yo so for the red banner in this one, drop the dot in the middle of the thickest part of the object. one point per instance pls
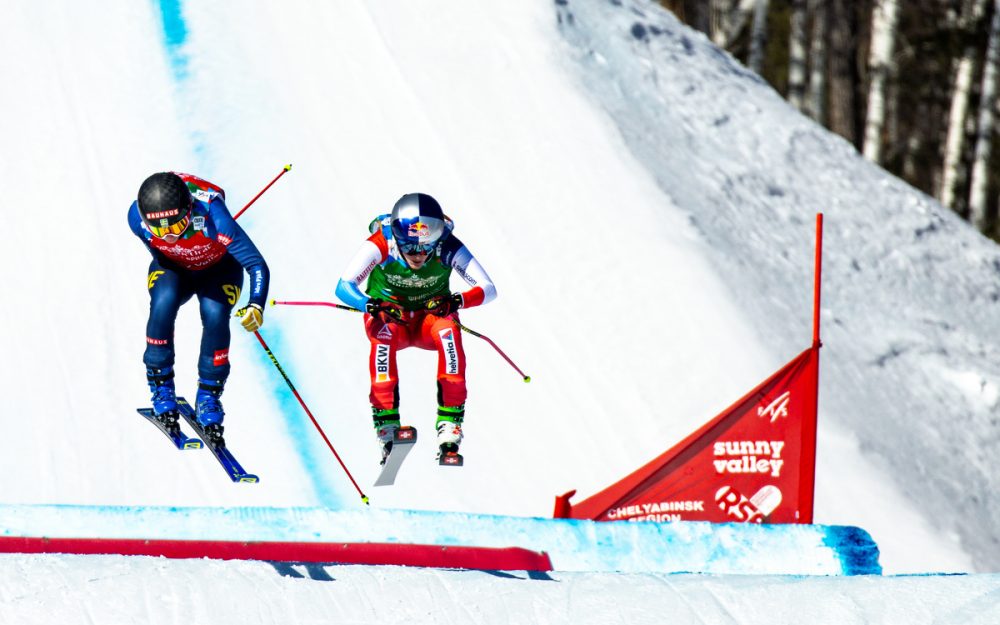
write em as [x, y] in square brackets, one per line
[753, 463]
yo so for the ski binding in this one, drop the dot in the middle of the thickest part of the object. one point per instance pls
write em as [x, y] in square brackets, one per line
[221, 452]
[175, 434]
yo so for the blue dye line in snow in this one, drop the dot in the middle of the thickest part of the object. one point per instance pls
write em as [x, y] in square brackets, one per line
[175, 38]
[855, 548]
[175, 34]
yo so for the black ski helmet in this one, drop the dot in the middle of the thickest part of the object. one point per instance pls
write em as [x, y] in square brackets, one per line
[418, 223]
[165, 203]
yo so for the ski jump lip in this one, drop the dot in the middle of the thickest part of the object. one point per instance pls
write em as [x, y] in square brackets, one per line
[570, 544]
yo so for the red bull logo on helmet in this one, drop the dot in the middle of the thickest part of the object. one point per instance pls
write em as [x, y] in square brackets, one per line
[419, 230]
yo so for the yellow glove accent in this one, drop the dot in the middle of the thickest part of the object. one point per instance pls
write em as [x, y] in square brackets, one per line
[251, 317]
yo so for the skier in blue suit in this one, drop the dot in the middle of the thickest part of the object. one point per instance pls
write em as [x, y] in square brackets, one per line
[198, 249]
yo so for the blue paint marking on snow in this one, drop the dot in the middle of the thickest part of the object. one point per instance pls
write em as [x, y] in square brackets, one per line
[175, 35]
[320, 466]
[858, 552]
[175, 38]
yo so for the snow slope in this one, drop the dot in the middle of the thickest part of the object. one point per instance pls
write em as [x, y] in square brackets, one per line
[112, 590]
[643, 204]
[912, 364]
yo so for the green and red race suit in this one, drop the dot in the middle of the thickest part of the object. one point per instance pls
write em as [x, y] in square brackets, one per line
[389, 278]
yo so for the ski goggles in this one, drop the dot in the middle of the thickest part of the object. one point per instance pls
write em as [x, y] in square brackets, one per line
[417, 248]
[171, 233]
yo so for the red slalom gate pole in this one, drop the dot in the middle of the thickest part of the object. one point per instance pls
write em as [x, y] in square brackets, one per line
[274, 360]
[817, 278]
[284, 171]
[526, 378]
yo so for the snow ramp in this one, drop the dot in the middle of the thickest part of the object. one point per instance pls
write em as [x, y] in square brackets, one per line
[440, 539]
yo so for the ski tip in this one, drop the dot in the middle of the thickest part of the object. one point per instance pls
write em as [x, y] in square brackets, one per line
[246, 478]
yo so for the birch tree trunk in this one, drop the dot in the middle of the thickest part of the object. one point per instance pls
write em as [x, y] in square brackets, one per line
[885, 19]
[758, 36]
[955, 142]
[797, 55]
[816, 96]
[984, 128]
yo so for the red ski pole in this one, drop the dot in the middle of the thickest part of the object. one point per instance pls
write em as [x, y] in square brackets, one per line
[274, 360]
[526, 378]
[284, 171]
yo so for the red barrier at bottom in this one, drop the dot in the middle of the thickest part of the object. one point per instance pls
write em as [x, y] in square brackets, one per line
[451, 557]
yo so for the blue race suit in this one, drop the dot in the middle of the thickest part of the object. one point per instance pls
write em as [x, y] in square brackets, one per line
[208, 261]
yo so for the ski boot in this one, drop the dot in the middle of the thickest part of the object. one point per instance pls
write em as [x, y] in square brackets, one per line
[209, 410]
[449, 434]
[386, 423]
[161, 384]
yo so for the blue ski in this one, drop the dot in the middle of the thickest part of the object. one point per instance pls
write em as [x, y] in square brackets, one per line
[221, 452]
[176, 435]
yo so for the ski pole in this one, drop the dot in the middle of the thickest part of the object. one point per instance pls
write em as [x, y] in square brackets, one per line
[526, 378]
[284, 170]
[274, 360]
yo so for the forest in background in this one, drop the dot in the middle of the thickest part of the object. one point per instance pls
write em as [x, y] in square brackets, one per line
[912, 85]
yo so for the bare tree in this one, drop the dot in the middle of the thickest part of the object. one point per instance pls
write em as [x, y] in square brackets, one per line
[815, 104]
[701, 17]
[885, 19]
[897, 79]
[972, 11]
[797, 55]
[728, 18]
[984, 127]
[758, 36]
[843, 70]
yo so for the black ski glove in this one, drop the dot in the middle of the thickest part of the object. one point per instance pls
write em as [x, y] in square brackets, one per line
[444, 305]
[384, 311]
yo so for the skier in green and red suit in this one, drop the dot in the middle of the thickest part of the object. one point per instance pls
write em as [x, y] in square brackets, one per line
[407, 262]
